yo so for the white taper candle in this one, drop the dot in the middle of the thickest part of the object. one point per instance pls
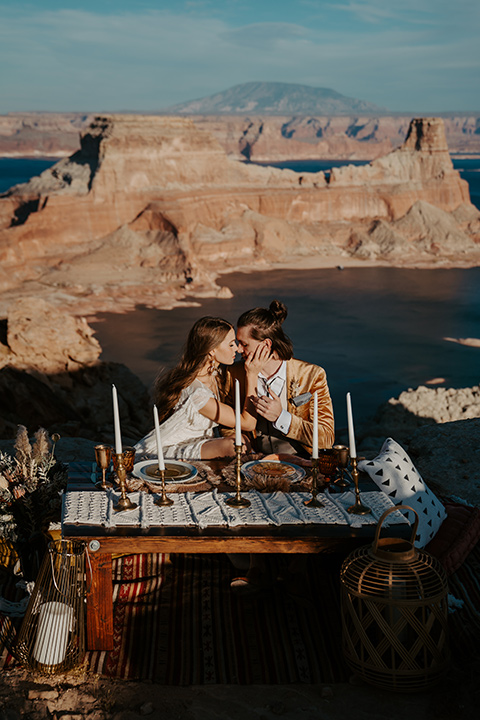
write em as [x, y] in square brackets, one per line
[116, 422]
[315, 426]
[351, 429]
[238, 421]
[161, 461]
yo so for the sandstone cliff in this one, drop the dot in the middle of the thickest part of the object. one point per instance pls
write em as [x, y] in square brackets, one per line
[253, 136]
[152, 207]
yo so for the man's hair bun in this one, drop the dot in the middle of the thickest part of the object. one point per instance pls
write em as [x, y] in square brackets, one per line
[278, 310]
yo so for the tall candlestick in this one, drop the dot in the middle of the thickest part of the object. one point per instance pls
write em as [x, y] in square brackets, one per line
[161, 461]
[315, 426]
[351, 429]
[116, 422]
[238, 422]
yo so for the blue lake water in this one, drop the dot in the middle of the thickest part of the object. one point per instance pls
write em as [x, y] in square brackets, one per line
[377, 331]
[14, 171]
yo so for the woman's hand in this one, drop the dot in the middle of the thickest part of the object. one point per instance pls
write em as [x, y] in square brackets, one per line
[255, 362]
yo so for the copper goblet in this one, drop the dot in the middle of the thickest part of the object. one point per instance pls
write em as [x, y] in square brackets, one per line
[103, 455]
[128, 459]
[327, 464]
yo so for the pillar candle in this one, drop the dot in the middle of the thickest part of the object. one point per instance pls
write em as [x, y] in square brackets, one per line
[315, 426]
[238, 422]
[116, 422]
[161, 462]
[351, 429]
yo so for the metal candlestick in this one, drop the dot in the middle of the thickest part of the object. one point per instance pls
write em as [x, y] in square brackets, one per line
[342, 456]
[163, 500]
[124, 502]
[358, 508]
[238, 500]
[313, 502]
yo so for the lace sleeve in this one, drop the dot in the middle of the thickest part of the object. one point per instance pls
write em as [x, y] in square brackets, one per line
[199, 397]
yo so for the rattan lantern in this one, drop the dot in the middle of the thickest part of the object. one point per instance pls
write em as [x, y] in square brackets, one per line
[52, 635]
[394, 613]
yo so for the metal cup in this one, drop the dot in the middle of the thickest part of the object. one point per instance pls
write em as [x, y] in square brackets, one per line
[128, 455]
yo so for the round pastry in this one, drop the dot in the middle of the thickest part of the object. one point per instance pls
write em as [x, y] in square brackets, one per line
[273, 468]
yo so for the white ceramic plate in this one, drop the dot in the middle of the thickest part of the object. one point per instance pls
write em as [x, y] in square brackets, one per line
[175, 471]
[298, 473]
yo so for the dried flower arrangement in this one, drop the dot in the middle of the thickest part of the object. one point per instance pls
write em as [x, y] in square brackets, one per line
[30, 486]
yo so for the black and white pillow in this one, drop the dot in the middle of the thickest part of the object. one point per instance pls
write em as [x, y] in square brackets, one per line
[395, 474]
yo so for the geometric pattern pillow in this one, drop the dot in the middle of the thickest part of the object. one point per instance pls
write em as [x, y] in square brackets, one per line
[395, 474]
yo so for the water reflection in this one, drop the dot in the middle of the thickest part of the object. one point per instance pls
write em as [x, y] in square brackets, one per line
[376, 331]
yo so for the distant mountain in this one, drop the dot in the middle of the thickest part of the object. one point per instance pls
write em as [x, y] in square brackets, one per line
[275, 98]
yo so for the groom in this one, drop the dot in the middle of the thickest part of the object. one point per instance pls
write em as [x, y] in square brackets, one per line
[284, 401]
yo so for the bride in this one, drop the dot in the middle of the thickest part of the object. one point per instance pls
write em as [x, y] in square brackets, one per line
[189, 397]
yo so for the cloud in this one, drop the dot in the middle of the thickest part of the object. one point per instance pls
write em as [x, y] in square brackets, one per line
[146, 60]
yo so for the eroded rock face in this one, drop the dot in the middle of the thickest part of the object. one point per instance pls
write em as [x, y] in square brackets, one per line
[250, 136]
[150, 203]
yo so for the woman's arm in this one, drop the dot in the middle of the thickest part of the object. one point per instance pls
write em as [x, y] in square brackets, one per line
[224, 414]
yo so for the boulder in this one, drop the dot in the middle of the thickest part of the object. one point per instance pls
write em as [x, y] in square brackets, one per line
[447, 456]
[52, 377]
[45, 338]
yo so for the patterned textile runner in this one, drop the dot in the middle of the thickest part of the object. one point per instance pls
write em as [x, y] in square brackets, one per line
[209, 509]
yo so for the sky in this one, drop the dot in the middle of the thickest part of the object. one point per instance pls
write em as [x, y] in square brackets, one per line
[420, 56]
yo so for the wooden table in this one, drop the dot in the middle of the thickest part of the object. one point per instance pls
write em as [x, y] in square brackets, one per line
[103, 542]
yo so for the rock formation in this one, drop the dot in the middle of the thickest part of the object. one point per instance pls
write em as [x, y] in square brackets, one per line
[439, 428]
[151, 208]
[51, 376]
[258, 137]
[41, 134]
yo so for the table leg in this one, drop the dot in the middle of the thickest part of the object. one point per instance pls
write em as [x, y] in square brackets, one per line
[100, 603]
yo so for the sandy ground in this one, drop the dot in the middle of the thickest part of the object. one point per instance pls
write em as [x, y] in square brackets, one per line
[79, 696]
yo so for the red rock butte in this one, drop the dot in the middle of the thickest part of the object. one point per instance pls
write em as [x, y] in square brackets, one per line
[159, 197]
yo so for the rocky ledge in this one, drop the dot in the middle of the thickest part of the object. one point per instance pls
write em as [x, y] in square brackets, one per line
[51, 376]
[151, 209]
[440, 428]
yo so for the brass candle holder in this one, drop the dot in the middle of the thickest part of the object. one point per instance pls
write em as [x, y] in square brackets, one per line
[358, 508]
[124, 502]
[163, 500]
[343, 456]
[313, 502]
[238, 500]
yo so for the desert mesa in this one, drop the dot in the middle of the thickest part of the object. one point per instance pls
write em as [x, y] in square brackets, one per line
[152, 209]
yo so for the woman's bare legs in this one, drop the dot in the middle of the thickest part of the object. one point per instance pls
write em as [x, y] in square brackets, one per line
[219, 447]
[222, 447]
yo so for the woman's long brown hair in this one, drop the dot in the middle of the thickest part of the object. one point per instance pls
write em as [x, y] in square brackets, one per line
[205, 336]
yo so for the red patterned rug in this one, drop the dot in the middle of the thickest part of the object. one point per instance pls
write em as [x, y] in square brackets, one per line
[177, 622]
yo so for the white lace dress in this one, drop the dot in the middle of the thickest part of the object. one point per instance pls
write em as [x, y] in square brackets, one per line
[185, 431]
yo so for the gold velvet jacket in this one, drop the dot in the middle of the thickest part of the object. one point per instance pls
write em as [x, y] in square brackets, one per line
[302, 377]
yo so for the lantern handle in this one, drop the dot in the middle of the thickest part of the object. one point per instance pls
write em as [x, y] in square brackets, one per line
[384, 516]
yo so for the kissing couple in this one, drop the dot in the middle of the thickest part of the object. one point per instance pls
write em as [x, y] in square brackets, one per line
[195, 399]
